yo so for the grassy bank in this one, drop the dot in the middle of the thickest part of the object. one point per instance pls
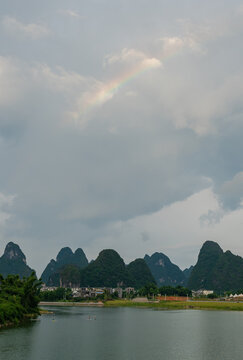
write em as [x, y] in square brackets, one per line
[179, 305]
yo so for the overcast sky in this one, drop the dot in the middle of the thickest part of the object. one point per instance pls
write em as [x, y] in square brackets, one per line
[121, 126]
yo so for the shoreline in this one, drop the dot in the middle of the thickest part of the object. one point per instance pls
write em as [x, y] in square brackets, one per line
[179, 305]
[27, 319]
[163, 305]
[66, 303]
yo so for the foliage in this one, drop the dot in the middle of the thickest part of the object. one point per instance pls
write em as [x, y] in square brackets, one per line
[149, 290]
[178, 291]
[56, 295]
[212, 296]
[18, 297]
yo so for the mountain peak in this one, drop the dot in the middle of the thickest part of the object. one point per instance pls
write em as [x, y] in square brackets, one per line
[51, 274]
[212, 245]
[13, 252]
[13, 261]
[64, 253]
[216, 270]
[79, 252]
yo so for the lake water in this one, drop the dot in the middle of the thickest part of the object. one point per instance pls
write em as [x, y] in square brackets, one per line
[126, 334]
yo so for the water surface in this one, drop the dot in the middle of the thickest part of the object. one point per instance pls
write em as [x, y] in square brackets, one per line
[126, 334]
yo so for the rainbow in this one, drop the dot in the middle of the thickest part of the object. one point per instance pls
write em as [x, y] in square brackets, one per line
[108, 90]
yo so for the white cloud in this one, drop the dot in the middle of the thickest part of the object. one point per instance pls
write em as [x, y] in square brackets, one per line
[125, 56]
[71, 13]
[203, 105]
[6, 201]
[58, 79]
[18, 80]
[131, 57]
[240, 9]
[172, 46]
[177, 230]
[11, 81]
[33, 31]
[131, 93]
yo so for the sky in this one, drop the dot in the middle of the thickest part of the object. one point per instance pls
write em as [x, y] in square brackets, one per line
[121, 126]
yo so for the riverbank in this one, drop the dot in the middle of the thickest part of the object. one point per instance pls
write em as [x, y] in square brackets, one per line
[17, 322]
[69, 303]
[166, 305]
[179, 305]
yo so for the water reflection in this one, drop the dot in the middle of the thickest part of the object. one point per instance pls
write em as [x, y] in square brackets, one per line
[16, 342]
[126, 334]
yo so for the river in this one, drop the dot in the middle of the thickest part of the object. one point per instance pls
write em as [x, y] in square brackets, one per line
[126, 334]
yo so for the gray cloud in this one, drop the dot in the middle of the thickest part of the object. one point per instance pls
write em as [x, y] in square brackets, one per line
[88, 150]
[231, 192]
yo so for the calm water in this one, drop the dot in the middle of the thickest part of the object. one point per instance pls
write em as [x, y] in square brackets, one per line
[126, 334]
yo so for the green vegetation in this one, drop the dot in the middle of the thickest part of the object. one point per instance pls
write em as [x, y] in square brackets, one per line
[179, 305]
[151, 289]
[177, 291]
[18, 298]
[60, 294]
[216, 270]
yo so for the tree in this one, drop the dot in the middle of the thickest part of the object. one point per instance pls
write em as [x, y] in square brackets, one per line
[149, 290]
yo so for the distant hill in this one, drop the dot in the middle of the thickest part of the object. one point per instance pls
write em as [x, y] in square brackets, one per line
[140, 274]
[109, 270]
[164, 271]
[51, 274]
[216, 270]
[187, 273]
[13, 261]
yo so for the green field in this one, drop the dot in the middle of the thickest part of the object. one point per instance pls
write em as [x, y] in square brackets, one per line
[179, 305]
